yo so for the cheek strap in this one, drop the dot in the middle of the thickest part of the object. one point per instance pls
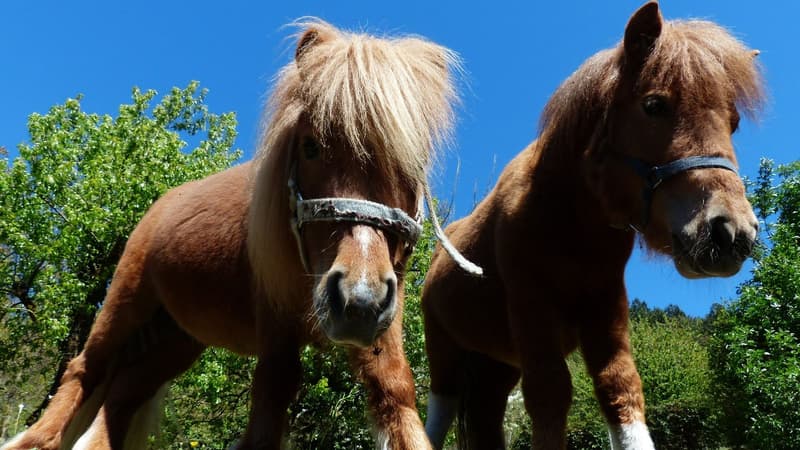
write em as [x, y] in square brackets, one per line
[654, 175]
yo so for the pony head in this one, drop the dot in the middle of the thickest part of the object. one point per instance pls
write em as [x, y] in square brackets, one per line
[352, 117]
[658, 112]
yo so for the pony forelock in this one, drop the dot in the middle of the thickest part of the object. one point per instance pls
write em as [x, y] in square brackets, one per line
[705, 60]
[388, 100]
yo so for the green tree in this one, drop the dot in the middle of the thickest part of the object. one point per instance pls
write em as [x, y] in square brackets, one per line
[755, 346]
[69, 201]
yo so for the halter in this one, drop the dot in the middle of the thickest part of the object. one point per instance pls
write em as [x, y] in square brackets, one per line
[654, 175]
[353, 210]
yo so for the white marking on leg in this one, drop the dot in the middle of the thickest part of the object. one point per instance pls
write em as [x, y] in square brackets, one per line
[86, 441]
[145, 420]
[85, 416]
[13, 442]
[442, 411]
[382, 440]
[630, 436]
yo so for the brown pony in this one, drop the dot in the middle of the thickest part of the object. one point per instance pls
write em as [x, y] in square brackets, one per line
[306, 242]
[637, 139]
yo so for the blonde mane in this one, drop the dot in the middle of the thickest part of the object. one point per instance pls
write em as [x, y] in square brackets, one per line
[702, 58]
[390, 100]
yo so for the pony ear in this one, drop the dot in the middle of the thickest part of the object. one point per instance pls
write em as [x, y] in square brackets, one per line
[643, 28]
[308, 39]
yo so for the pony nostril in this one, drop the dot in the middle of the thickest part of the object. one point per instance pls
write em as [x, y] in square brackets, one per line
[388, 300]
[723, 233]
[333, 288]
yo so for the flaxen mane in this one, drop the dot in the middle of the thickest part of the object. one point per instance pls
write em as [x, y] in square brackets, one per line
[702, 58]
[390, 101]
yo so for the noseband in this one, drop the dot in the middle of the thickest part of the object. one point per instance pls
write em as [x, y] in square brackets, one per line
[352, 210]
[654, 175]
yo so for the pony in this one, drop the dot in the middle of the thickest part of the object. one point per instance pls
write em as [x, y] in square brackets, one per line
[306, 243]
[636, 141]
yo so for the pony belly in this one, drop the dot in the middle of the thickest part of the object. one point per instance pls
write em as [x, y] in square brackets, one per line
[216, 329]
[214, 312]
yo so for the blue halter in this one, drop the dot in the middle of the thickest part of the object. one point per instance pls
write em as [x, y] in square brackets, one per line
[654, 175]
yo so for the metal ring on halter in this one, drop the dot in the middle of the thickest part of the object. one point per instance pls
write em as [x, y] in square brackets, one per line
[654, 175]
[352, 210]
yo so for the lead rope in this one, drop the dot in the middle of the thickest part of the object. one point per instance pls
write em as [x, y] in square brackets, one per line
[468, 266]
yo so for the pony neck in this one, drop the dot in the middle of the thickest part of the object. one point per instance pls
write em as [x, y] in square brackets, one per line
[563, 196]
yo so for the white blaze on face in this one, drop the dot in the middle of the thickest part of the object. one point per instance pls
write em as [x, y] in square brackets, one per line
[630, 436]
[362, 289]
[363, 235]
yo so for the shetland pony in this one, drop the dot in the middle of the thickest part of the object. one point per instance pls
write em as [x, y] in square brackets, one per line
[637, 139]
[307, 241]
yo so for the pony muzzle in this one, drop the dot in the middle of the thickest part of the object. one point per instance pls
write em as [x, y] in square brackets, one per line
[357, 311]
[717, 248]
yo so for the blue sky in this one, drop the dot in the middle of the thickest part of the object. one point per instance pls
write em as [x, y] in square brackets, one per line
[515, 55]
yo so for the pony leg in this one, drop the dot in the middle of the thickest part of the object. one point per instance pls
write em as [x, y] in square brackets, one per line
[483, 404]
[546, 382]
[276, 382]
[547, 389]
[606, 349]
[131, 407]
[124, 310]
[385, 372]
[446, 361]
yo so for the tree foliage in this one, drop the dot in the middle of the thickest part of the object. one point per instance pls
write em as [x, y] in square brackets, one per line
[756, 338]
[69, 201]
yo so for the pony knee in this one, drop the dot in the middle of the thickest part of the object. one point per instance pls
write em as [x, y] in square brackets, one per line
[84, 371]
[548, 395]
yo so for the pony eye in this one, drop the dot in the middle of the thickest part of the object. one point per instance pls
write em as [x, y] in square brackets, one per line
[734, 121]
[655, 106]
[310, 148]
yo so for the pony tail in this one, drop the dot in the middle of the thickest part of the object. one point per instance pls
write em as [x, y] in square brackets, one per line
[462, 427]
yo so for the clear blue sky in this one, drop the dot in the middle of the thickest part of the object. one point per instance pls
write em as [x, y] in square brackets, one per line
[515, 54]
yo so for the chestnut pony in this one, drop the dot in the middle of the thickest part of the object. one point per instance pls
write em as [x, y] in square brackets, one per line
[307, 241]
[638, 138]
